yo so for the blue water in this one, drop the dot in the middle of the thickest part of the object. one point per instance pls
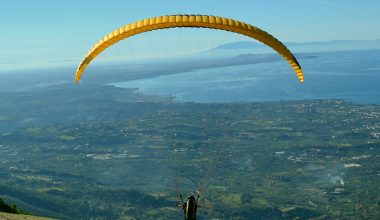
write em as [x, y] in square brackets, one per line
[353, 76]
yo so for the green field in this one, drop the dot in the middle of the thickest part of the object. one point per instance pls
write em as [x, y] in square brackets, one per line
[311, 159]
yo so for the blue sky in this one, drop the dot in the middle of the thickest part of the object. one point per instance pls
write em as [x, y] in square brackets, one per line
[48, 32]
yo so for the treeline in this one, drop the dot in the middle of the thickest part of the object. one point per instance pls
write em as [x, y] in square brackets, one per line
[8, 208]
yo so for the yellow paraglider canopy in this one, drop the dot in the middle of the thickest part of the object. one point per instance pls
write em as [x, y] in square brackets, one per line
[198, 21]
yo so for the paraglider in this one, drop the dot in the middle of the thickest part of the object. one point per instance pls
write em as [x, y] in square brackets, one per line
[193, 21]
[189, 207]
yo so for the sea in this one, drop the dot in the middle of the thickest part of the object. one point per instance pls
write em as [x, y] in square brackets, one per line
[350, 75]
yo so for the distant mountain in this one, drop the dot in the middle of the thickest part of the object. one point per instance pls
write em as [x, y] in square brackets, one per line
[260, 58]
[314, 46]
[238, 45]
[333, 42]
[252, 44]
